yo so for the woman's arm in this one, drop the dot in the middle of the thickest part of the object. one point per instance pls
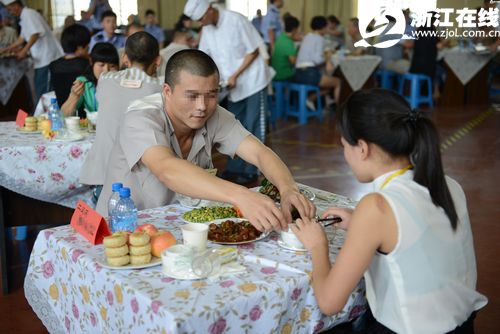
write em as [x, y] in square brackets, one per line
[71, 103]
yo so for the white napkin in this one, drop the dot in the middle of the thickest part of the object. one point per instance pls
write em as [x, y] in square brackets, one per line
[232, 268]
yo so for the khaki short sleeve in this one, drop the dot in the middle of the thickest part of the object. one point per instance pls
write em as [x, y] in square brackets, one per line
[228, 134]
[140, 130]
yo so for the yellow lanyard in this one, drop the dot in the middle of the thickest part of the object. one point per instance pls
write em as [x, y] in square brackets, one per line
[396, 174]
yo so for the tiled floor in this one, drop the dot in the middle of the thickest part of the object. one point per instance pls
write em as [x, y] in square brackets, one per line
[313, 155]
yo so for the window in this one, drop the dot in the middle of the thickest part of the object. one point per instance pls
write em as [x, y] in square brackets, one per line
[62, 8]
[247, 7]
[416, 6]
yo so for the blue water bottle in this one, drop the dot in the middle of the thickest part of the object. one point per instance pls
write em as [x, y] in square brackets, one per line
[471, 44]
[461, 45]
[55, 115]
[125, 212]
[113, 200]
[342, 51]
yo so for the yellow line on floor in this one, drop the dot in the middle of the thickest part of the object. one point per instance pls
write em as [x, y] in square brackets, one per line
[464, 130]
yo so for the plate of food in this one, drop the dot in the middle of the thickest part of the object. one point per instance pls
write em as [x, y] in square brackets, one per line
[235, 231]
[24, 131]
[270, 190]
[69, 138]
[208, 214]
[103, 262]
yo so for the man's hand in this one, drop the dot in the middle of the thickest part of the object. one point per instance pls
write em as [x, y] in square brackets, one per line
[343, 213]
[292, 198]
[23, 54]
[5, 50]
[262, 212]
[78, 87]
[311, 234]
[231, 82]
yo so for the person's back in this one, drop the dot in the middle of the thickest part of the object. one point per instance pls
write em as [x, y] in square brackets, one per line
[311, 51]
[285, 54]
[424, 55]
[410, 289]
[63, 71]
[180, 41]
[115, 91]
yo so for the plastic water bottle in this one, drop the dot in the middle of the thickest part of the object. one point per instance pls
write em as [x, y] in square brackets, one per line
[55, 115]
[471, 44]
[125, 212]
[342, 51]
[113, 200]
[461, 45]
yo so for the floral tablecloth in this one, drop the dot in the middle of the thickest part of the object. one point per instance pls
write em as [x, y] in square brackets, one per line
[11, 71]
[72, 293]
[356, 69]
[43, 169]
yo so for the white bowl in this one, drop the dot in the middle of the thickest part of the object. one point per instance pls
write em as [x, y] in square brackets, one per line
[74, 120]
[92, 116]
[290, 238]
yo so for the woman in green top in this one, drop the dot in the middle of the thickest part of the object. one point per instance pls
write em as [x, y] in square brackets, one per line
[103, 58]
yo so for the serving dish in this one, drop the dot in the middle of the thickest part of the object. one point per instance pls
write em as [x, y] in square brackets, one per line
[103, 262]
[238, 220]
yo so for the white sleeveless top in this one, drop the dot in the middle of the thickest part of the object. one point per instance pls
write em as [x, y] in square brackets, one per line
[427, 284]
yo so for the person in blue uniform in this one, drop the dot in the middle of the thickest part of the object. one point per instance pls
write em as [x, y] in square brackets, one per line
[154, 29]
[108, 35]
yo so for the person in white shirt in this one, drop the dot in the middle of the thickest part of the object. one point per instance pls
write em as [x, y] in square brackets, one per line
[40, 42]
[411, 237]
[233, 42]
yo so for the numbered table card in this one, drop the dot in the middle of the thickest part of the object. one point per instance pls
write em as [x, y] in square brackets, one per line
[21, 117]
[89, 223]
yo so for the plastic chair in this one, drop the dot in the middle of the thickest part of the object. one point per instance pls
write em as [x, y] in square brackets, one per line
[490, 80]
[279, 88]
[415, 98]
[386, 79]
[299, 108]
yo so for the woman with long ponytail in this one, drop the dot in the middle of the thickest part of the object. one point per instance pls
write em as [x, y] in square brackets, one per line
[410, 238]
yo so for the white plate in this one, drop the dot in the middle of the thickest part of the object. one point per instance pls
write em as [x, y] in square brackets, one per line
[219, 221]
[191, 275]
[103, 262]
[20, 130]
[70, 138]
[282, 244]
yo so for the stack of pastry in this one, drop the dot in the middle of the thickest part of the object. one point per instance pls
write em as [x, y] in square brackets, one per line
[30, 124]
[39, 120]
[140, 248]
[116, 249]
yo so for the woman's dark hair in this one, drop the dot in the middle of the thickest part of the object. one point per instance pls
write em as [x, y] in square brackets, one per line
[74, 36]
[333, 19]
[180, 24]
[385, 118]
[318, 22]
[104, 53]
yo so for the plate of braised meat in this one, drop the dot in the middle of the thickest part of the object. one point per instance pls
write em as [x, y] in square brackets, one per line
[234, 231]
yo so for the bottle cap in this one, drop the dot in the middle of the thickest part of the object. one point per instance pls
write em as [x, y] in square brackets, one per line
[117, 186]
[124, 192]
[53, 100]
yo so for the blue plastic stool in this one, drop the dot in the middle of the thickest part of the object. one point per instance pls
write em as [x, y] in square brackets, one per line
[493, 91]
[415, 98]
[22, 232]
[386, 79]
[272, 108]
[279, 88]
[299, 108]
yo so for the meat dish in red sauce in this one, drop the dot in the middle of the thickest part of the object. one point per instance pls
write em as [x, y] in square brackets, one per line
[230, 231]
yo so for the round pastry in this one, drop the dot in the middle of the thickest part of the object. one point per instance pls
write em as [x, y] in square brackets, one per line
[139, 238]
[30, 120]
[40, 118]
[116, 251]
[28, 128]
[115, 241]
[119, 261]
[140, 259]
[140, 250]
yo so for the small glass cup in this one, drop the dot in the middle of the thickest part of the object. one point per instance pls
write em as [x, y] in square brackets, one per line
[206, 263]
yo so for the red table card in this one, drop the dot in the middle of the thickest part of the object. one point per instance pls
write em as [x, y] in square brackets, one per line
[89, 223]
[21, 116]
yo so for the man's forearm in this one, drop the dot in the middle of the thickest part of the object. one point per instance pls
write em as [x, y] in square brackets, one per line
[275, 170]
[18, 42]
[246, 62]
[31, 41]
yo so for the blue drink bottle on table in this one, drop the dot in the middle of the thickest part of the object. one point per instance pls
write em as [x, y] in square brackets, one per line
[113, 200]
[55, 115]
[125, 216]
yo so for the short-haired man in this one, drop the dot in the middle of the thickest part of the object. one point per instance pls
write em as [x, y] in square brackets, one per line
[107, 35]
[271, 24]
[40, 42]
[232, 41]
[285, 54]
[115, 91]
[154, 29]
[164, 144]
[335, 30]
[355, 36]
[130, 29]
[180, 41]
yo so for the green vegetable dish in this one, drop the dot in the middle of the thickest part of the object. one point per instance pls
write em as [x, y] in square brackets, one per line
[206, 214]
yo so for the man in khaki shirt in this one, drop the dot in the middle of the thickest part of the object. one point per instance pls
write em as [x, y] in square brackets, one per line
[164, 144]
[115, 91]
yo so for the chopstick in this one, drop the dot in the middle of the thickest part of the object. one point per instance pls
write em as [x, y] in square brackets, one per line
[333, 221]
